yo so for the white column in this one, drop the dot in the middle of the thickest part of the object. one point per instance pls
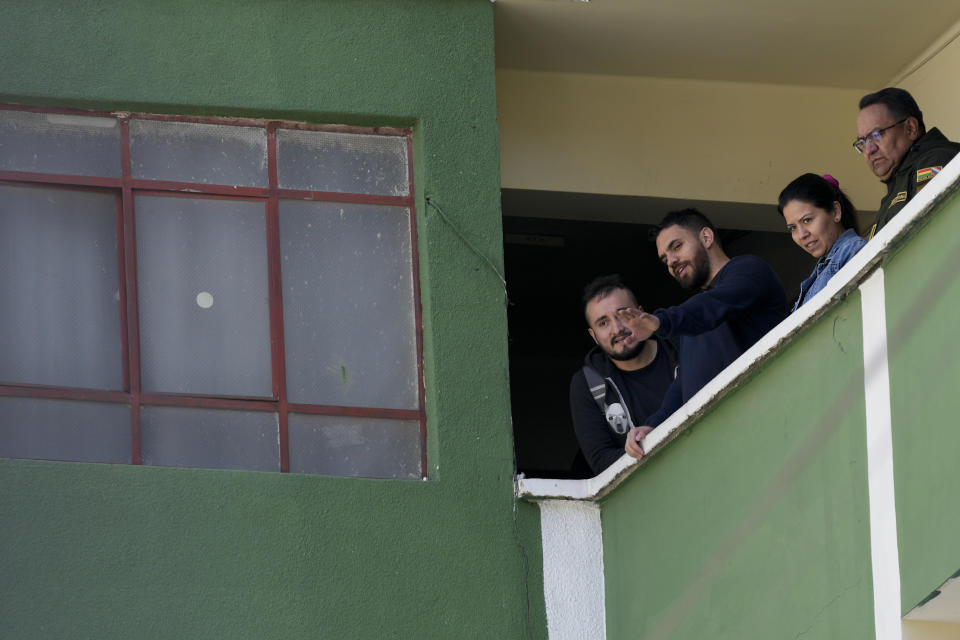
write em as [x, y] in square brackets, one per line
[573, 570]
[884, 552]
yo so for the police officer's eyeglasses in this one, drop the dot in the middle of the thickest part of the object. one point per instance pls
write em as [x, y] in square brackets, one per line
[876, 135]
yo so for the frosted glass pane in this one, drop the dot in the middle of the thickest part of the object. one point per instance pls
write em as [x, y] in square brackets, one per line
[62, 144]
[64, 430]
[60, 302]
[342, 162]
[204, 312]
[193, 152]
[348, 304]
[209, 438]
[367, 447]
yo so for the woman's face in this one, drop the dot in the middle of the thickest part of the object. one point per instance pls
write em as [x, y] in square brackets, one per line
[813, 229]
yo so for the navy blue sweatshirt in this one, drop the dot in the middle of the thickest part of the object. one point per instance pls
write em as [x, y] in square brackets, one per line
[712, 328]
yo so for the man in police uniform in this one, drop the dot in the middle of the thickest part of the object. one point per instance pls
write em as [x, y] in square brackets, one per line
[898, 148]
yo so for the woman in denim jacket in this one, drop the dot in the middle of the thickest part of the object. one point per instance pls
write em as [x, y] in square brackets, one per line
[822, 221]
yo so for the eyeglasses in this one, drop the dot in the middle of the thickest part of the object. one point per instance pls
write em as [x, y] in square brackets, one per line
[876, 136]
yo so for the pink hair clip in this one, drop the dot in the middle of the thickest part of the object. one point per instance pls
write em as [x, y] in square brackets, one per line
[833, 181]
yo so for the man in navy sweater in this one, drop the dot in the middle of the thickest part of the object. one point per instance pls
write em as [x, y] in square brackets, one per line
[740, 300]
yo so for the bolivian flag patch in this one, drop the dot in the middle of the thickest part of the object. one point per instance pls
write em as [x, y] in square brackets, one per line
[925, 174]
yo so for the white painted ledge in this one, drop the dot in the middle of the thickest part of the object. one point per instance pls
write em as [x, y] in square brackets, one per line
[847, 279]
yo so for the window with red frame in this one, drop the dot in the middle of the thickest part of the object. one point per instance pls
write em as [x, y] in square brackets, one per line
[210, 293]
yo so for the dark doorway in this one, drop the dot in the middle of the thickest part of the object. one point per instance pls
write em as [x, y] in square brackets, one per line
[548, 261]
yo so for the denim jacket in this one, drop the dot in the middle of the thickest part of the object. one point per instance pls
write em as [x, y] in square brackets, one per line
[827, 266]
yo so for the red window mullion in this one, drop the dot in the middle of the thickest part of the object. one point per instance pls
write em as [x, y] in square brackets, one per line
[349, 198]
[132, 309]
[62, 393]
[277, 350]
[197, 193]
[194, 188]
[207, 402]
[122, 289]
[22, 177]
[356, 412]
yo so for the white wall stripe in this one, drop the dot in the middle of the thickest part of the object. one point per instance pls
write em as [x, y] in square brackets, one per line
[884, 550]
[573, 587]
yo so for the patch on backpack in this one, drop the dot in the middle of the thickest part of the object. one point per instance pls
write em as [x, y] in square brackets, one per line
[900, 197]
[925, 174]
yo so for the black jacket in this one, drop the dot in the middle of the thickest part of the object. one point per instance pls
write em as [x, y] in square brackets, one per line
[642, 390]
[931, 151]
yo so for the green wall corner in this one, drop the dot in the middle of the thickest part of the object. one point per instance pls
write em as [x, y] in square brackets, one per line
[753, 523]
[923, 303]
[120, 551]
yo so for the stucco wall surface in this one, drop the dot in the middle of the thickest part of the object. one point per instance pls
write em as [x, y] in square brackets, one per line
[923, 303]
[572, 569]
[675, 138]
[754, 523]
[929, 80]
[110, 552]
[913, 630]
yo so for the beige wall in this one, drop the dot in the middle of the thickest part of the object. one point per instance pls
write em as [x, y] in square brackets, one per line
[703, 140]
[934, 83]
[917, 630]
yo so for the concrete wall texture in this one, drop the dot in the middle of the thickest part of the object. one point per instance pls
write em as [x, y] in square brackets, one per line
[99, 551]
[757, 522]
[923, 300]
[923, 78]
[674, 138]
[695, 139]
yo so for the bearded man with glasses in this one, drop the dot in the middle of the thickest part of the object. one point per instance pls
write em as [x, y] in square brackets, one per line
[898, 148]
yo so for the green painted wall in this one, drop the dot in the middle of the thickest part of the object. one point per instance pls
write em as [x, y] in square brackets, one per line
[923, 303]
[755, 522]
[109, 552]
[531, 546]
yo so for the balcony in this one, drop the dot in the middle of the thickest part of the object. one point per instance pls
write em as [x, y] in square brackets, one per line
[810, 490]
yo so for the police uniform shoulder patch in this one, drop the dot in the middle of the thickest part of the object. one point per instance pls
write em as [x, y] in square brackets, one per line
[925, 174]
[900, 197]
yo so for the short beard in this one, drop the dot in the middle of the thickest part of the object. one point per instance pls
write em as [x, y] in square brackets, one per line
[701, 271]
[630, 354]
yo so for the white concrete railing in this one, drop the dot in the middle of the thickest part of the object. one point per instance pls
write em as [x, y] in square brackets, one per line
[850, 277]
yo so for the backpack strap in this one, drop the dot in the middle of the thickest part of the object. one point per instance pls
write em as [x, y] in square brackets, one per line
[597, 386]
[616, 414]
